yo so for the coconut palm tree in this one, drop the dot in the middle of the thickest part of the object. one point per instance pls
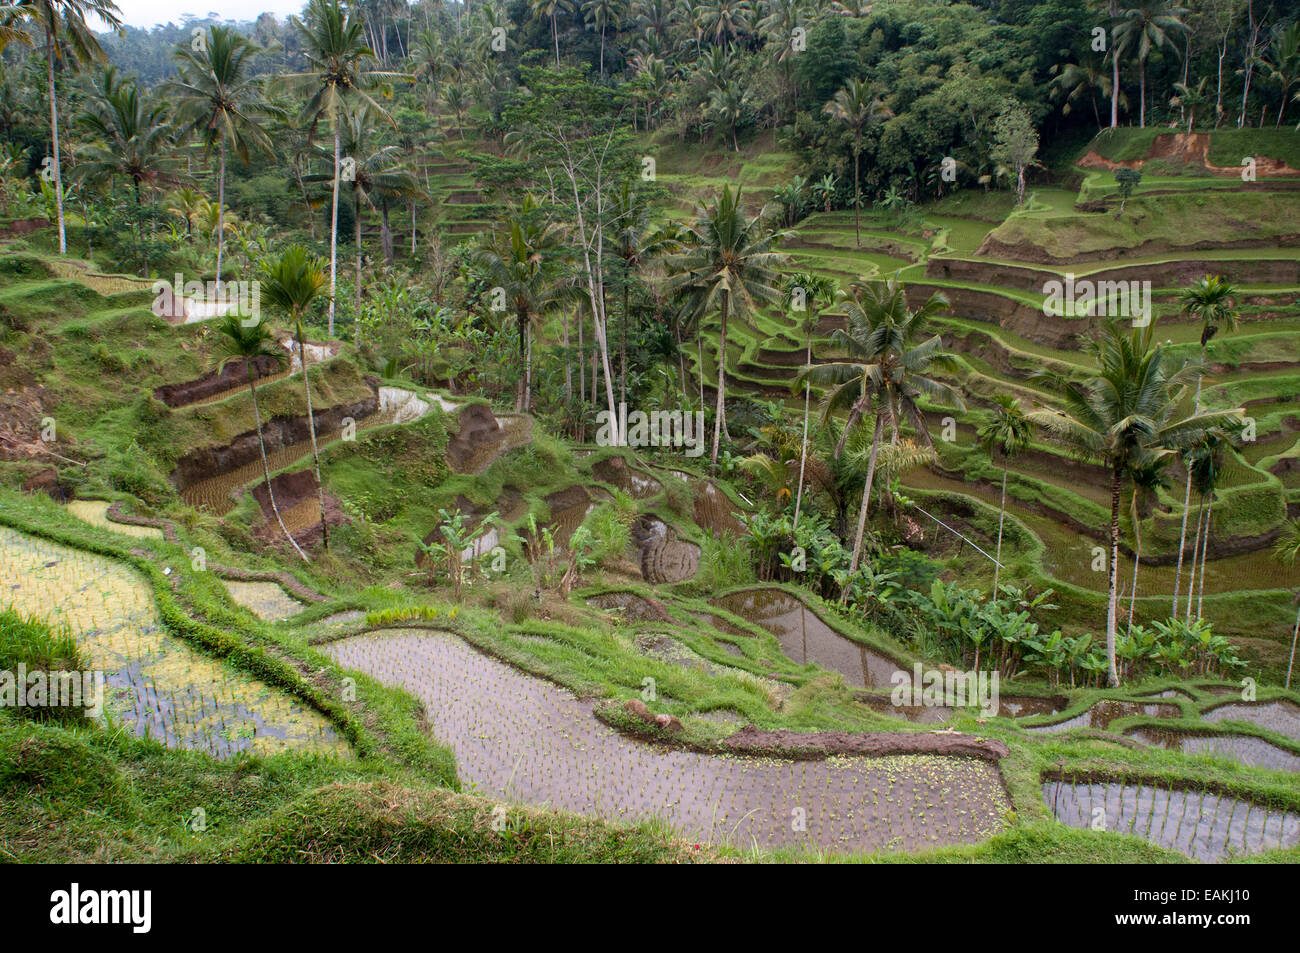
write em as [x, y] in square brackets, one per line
[1147, 477]
[888, 360]
[1124, 416]
[637, 242]
[856, 108]
[292, 283]
[1150, 24]
[1286, 551]
[602, 14]
[1212, 300]
[1205, 464]
[1282, 63]
[239, 340]
[811, 293]
[337, 75]
[132, 140]
[376, 171]
[523, 262]
[1008, 433]
[551, 10]
[217, 100]
[1080, 80]
[69, 39]
[729, 262]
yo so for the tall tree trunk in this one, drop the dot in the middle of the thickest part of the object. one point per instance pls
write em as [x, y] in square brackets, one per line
[857, 192]
[568, 360]
[1295, 634]
[311, 428]
[266, 466]
[1112, 613]
[356, 231]
[622, 348]
[1187, 505]
[1137, 559]
[1002, 515]
[54, 141]
[1196, 549]
[720, 408]
[521, 395]
[1205, 549]
[334, 229]
[1142, 93]
[386, 234]
[803, 446]
[555, 36]
[1113, 10]
[866, 500]
[221, 207]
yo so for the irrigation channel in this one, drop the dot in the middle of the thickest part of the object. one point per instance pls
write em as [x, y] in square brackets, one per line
[155, 684]
[524, 739]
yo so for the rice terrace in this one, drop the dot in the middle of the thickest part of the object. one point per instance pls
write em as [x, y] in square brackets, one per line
[650, 431]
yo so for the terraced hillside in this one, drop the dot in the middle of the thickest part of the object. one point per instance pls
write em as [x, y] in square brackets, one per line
[994, 263]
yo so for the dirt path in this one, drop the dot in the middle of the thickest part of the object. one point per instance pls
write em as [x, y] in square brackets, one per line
[523, 738]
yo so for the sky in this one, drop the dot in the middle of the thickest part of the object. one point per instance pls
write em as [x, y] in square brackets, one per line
[148, 13]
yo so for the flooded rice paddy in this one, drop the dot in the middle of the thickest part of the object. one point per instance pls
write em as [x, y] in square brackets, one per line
[1280, 716]
[156, 685]
[1244, 749]
[95, 512]
[1204, 826]
[1100, 716]
[524, 739]
[264, 599]
[805, 638]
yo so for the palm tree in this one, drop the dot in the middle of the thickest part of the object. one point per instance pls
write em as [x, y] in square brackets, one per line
[523, 263]
[219, 101]
[1078, 80]
[337, 74]
[1212, 300]
[855, 107]
[1149, 25]
[1287, 550]
[132, 140]
[376, 171]
[1123, 417]
[247, 342]
[729, 262]
[1189, 99]
[551, 9]
[601, 14]
[1283, 65]
[1205, 463]
[818, 292]
[1147, 477]
[292, 283]
[723, 22]
[1008, 432]
[67, 38]
[887, 367]
[637, 243]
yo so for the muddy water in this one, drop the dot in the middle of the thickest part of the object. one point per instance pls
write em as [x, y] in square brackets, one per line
[1242, 748]
[806, 638]
[526, 740]
[1205, 827]
[156, 685]
[569, 507]
[630, 605]
[1281, 716]
[1100, 716]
